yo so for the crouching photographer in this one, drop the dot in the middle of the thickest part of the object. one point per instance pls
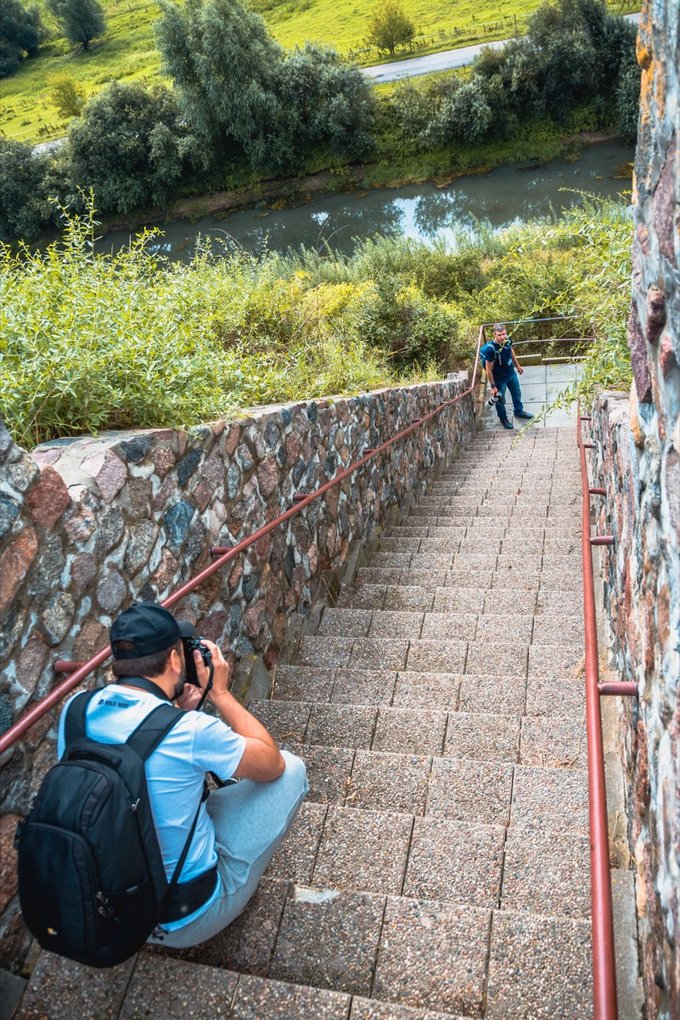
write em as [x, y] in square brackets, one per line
[220, 845]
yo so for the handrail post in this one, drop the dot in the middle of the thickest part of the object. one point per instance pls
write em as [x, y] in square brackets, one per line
[602, 924]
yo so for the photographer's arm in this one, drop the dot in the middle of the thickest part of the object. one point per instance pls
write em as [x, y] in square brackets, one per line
[489, 376]
[262, 759]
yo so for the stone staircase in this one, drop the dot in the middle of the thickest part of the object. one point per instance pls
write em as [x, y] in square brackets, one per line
[440, 865]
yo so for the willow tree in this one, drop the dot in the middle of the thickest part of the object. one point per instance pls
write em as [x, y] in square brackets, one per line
[225, 67]
[81, 21]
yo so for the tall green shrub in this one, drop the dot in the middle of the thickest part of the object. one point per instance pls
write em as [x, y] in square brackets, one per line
[24, 206]
[80, 21]
[21, 33]
[129, 146]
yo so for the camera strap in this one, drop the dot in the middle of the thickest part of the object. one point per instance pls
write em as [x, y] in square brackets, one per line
[145, 685]
[208, 686]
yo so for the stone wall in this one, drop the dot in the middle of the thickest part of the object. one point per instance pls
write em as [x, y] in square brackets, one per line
[87, 526]
[638, 460]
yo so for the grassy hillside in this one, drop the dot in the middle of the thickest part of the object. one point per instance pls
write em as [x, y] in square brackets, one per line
[128, 52]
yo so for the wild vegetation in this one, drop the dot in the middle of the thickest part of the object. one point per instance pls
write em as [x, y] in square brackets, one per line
[242, 108]
[91, 342]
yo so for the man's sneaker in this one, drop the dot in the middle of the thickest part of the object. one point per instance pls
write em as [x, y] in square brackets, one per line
[507, 424]
[523, 414]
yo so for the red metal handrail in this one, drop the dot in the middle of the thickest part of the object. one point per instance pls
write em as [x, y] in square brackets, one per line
[300, 502]
[602, 924]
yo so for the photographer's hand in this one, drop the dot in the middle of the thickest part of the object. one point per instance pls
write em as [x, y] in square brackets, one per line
[262, 759]
[222, 669]
[189, 699]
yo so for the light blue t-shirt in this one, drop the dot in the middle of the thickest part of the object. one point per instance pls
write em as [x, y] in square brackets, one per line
[197, 744]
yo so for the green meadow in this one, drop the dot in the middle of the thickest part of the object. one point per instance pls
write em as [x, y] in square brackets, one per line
[128, 51]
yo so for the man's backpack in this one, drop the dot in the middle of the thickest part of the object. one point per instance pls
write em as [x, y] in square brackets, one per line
[92, 885]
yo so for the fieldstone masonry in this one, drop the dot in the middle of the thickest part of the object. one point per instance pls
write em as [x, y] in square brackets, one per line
[638, 460]
[87, 526]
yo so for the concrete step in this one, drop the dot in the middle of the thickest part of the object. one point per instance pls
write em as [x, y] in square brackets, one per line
[401, 623]
[499, 695]
[437, 762]
[554, 742]
[444, 654]
[159, 985]
[519, 868]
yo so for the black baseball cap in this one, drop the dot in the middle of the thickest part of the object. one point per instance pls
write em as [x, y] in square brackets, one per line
[146, 628]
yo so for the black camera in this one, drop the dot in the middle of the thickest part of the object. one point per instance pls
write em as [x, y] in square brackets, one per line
[493, 400]
[191, 644]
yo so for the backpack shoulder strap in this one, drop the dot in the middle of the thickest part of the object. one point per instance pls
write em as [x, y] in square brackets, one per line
[153, 729]
[74, 723]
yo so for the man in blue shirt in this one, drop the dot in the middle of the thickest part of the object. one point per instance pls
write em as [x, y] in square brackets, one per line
[501, 367]
[240, 825]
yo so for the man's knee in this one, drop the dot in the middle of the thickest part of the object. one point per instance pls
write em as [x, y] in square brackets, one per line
[295, 775]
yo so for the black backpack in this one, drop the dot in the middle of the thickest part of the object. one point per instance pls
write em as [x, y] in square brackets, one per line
[92, 885]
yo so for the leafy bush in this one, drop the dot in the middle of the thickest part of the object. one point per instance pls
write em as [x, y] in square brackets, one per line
[67, 95]
[93, 342]
[224, 66]
[628, 102]
[574, 56]
[389, 26]
[327, 103]
[80, 21]
[129, 147]
[21, 33]
[410, 327]
[24, 206]
[244, 95]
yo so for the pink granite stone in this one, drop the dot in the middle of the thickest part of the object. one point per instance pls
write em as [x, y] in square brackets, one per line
[656, 313]
[14, 564]
[8, 869]
[252, 618]
[164, 494]
[665, 209]
[108, 471]
[163, 458]
[667, 356]
[31, 663]
[83, 572]
[638, 356]
[82, 519]
[164, 575]
[213, 471]
[231, 439]
[48, 499]
[268, 476]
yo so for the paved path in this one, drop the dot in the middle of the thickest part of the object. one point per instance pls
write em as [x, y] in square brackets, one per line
[445, 60]
[440, 866]
[541, 384]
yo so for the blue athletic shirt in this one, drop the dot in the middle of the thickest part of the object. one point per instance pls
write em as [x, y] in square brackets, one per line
[197, 744]
[501, 358]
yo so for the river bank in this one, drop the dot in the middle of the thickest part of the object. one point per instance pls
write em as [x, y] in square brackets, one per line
[426, 211]
[535, 148]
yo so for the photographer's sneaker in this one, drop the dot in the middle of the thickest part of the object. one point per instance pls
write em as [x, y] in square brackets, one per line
[508, 424]
[523, 414]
